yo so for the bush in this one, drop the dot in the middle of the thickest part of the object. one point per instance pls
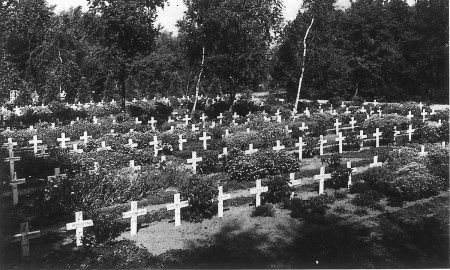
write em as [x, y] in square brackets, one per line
[378, 178]
[265, 210]
[369, 198]
[340, 195]
[438, 163]
[201, 192]
[360, 211]
[425, 133]
[359, 187]
[209, 163]
[275, 163]
[242, 168]
[313, 206]
[279, 190]
[339, 173]
[107, 226]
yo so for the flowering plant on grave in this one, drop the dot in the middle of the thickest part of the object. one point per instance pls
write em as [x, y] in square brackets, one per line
[277, 162]
[309, 149]
[268, 136]
[242, 168]
[386, 122]
[424, 133]
[279, 189]
[241, 140]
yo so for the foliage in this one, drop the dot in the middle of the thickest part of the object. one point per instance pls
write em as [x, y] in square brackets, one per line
[277, 162]
[265, 210]
[339, 173]
[312, 206]
[279, 190]
[369, 198]
[201, 193]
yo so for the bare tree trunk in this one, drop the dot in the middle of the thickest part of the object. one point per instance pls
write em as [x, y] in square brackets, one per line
[356, 90]
[303, 67]
[197, 87]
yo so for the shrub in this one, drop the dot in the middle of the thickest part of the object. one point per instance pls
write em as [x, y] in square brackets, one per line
[378, 178]
[279, 190]
[243, 168]
[360, 211]
[340, 195]
[313, 206]
[438, 163]
[106, 225]
[209, 163]
[369, 198]
[443, 131]
[275, 163]
[340, 209]
[201, 192]
[309, 149]
[359, 187]
[425, 133]
[339, 173]
[352, 141]
[265, 210]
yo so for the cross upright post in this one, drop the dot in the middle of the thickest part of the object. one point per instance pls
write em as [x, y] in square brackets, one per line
[152, 122]
[337, 124]
[352, 123]
[220, 198]
[322, 176]
[250, 150]
[155, 145]
[300, 145]
[375, 163]
[257, 191]
[194, 161]
[63, 140]
[78, 225]
[349, 166]
[410, 131]
[322, 142]
[361, 136]
[133, 214]
[177, 205]
[278, 147]
[180, 142]
[24, 237]
[186, 120]
[85, 138]
[14, 184]
[340, 139]
[11, 159]
[204, 138]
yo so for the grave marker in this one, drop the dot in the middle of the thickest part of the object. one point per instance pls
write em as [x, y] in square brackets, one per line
[322, 142]
[131, 144]
[204, 138]
[303, 127]
[194, 128]
[396, 133]
[377, 135]
[57, 173]
[78, 225]
[14, 184]
[11, 159]
[177, 205]
[375, 163]
[152, 123]
[349, 166]
[10, 144]
[35, 142]
[155, 145]
[424, 113]
[300, 145]
[257, 191]
[352, 123]
[85, 138]
[137, 121]
[134, 167]
[186, 120]
[340, 139]
[103, 147]
[250, 150]
[180, 142]
[410, 131]
[409, 116]
[361, 136]
[24, 237]
[278, 147]
[422, 151]
[224, 153]
[194, 161]
[75, 149]
[322, 176]
[222, 197]
[220, 117]
[293, 182]
[63, 140]
[133, 214]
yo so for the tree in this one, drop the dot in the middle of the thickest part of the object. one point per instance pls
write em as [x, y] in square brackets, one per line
[236, 35]
[123, 31]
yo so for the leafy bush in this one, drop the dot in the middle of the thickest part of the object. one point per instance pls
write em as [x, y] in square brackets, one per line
[243, 168]
[378, 178]
[309, 149]
[369, 198]
[340, 195]
[339, 173]
[425, 133]
[359, 187]
[106, 225]
[279, 190]
[352, 141]
[209, 163]
[361, 211]
[275, 163]
[201, 193]
[265, 210]
[438, 163]
[313, 206]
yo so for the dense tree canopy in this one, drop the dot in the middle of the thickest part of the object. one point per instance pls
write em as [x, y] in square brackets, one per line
[379, 49]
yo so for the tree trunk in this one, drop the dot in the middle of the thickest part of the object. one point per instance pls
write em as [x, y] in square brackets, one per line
[122, 85]
[303, 67]
[356, 90]
[197, 87]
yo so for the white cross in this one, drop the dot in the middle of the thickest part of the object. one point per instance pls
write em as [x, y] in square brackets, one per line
[322, 176]
[180, 142]
[220, 117]
[52, 126]
[352, 123]
[224, 153]
[63, 140]
[35, 142]
[307, 112]
[322, 142]
[375, 103]
[103, 147]
[155, 145]
[250, 150]
[410, 131]
[278, 147]
[346, 111]
[439, 123]
[194, 128]
[424, 113]
[377, 135]
[340, 139]
[152, 122]
[194, 161]
[375, 162]
[396, 133]
[235, 116]
[279, 118]
[10, 144]
[420, 105]
[342, 104]
[137, 121]
[57, 173]
[334, 112]
[213, 124]
[203, 118]
[409, 116]
[14, 183]
[75, 149]
[134, 167]
[258, 190]
[361, 136]
[133, 214]
[349, 166]
[32, 128]
[177, 205]
[303, 127]
[293, 182]
[131, 144]
[222, 197]
[363, 110]
[422, 151]
[433, 112]
[85, 138]
[11, 159]
[170, 120]
[24, 237]
[300, 145]
[78, 225]
[288, 130]
[227, 133]
[379, 112]
[186, 120]
[204, 138]
[94, 119]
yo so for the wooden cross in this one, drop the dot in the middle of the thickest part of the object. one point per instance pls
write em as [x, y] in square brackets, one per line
[293, 182]
[439, 123]
[103, 147]
[227, 133]
[132, 166]
[63, 140]
[152, 122]
[94, 119]
[24, 237]
[180, 142]
[155, 145]
[322, 176]
[424, 113]
[235, 116]
[352, 123]
[137, 121]
[177, 205]
[349, 166]
[375, 103]
[307, 112]
[379, 112]
[410, 131]
[85, 138]
[409, 116]
[35, 142]
[361, 136]
[10, 144]
[220, 117]
[300, 145]
[340, 139]
[78, 225]
[288, 130]
[57, 173]
[222, 197]
[377, 135]
[375, 162]
[76, 150]
[11, 159]
[186, 120]
[258, 190]
[194, 128]
[422, 151]
[278, 147]
[303, 127]
[194, 161]
[133, 214]
[14, 183]
[131, 144]
[250, 150]
[322, 142]
[224, 153]
[203, 118]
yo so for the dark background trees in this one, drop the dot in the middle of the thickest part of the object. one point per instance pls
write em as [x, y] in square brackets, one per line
[379, 49]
